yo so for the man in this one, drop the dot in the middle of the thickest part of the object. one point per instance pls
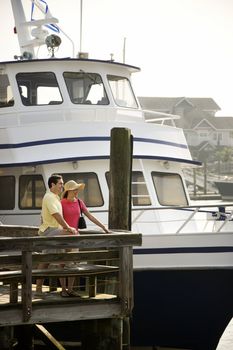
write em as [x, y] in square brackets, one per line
[53, 223]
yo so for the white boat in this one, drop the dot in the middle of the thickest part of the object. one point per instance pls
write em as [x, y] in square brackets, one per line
[56, 115]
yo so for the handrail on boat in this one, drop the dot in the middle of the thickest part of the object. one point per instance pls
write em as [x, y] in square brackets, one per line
[221, 215]
[160, 116]
[177, 207]
[217, 211]
[188, 219]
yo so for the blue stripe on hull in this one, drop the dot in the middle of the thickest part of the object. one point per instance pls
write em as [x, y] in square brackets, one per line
[181, 308]
[99, 157]
[86, 139]
[181, 250]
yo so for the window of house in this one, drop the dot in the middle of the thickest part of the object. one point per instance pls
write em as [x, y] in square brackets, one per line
[7, 190]
[31, 191]
[169, 188]
[122, 91]
[139, 192]
[86, 88]
[91, 195]
[38, 88]
[6, 96]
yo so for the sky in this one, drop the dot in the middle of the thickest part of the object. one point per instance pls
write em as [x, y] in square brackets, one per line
[183, 47]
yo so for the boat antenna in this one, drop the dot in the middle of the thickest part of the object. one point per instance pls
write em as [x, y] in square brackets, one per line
[81, 25]
[124, 46]
[82, 55]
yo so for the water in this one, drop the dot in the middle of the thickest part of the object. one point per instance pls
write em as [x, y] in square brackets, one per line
[226, 341]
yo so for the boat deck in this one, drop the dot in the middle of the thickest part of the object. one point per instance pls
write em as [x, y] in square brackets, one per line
[52, 296]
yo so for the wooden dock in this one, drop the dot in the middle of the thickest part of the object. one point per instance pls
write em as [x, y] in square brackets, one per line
[103, 262]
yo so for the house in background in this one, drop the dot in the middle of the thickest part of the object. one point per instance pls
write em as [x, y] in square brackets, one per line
[205, 133]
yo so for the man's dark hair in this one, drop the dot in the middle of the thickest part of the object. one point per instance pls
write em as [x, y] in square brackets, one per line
[53, 179]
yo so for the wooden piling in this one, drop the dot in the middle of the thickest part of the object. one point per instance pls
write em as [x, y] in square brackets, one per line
[24, 335]
[120, 205]
[7, 340]
[102, 334]
[120, 179]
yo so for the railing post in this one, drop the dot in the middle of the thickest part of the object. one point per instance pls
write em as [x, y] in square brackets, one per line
[126, 279]
[27, 285]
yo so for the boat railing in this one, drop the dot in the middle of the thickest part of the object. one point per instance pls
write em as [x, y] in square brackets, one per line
[221, 213]
[160, 116]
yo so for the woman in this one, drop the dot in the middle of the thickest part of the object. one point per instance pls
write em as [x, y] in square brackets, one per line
[72, 208]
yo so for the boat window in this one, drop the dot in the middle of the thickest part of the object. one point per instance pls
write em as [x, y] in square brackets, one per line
[169, 188]
[6, 97]
[7, 190]
[86, 88]
[139, 192]
[31, 191]
[122, 91]
[91, 195]
[38, 88]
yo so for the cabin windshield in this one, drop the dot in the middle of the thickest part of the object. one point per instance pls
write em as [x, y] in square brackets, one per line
[85, 88]
[38, 88]
[122, 91]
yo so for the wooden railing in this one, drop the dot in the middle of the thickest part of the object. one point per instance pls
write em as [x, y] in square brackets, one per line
[102, 253]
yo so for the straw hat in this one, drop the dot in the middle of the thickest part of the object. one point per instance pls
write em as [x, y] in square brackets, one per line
[72, 185]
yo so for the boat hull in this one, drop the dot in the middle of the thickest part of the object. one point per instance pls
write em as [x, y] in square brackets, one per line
[181, 308]
[225, 189]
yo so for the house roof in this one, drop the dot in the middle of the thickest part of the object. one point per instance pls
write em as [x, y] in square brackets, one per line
[218, 123]
[206, 145]
[168, 103]
[196, 110]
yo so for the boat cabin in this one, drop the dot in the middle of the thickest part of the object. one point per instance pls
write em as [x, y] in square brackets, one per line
[67, 83]
[56, 116]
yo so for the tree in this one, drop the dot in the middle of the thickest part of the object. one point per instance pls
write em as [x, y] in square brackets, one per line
[223, 155]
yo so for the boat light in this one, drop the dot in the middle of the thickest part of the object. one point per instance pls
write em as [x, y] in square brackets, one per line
[52, 41]
[166, 164]
[83, 55]
[75, 165]
[29, 170]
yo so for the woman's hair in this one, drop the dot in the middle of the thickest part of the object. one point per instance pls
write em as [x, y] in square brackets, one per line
[65, 194]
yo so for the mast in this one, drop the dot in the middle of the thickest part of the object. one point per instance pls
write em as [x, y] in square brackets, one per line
[22, 29]
[29, 38]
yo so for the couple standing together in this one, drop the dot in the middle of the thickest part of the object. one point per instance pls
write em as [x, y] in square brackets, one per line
[61, 217]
